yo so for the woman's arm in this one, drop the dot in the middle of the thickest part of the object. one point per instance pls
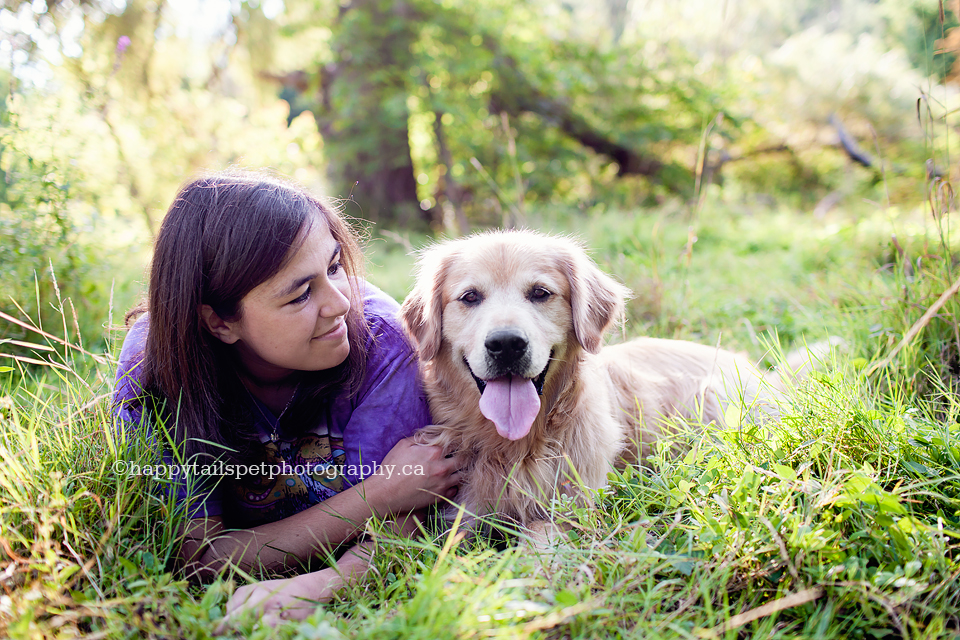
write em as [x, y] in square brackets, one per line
[296, 598]
[285, 544]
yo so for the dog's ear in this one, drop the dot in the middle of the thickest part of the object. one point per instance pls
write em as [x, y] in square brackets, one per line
[596, 299]
[422, 311]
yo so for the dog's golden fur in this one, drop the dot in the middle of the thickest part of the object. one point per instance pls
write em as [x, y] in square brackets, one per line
[598, 405]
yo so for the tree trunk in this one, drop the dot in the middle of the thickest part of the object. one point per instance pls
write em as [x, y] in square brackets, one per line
[364, 114]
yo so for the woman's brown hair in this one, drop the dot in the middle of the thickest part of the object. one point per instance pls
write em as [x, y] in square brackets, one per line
[225, 234]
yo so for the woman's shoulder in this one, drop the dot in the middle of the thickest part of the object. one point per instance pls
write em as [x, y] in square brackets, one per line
[131, 358]
[377, 303]
[386, 332]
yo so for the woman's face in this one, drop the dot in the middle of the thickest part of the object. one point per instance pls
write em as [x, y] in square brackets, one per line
[296, 320]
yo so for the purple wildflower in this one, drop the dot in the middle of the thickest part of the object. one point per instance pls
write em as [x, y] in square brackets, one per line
[122, 43]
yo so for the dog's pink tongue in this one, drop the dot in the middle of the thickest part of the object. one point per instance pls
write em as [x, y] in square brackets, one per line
[512, 403]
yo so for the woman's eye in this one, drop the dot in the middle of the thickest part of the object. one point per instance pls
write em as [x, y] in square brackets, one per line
[470, 298]
[539, 294]
[302, 298]
[334, 269]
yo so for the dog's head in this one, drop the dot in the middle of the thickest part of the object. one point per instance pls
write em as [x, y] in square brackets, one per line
[501, 305]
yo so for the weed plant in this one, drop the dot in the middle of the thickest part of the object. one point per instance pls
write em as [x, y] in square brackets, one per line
[843, 521]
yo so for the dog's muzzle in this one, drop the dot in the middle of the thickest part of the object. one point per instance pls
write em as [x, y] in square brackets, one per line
[537, 382]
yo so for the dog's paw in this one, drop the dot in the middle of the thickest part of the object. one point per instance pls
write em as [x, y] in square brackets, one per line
[545, 536]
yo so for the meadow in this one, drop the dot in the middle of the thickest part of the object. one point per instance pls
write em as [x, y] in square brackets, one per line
[844, 522]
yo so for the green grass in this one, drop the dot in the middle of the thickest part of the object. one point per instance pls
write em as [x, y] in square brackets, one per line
[851, 506]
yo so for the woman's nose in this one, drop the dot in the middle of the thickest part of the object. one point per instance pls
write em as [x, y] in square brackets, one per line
[335, 302]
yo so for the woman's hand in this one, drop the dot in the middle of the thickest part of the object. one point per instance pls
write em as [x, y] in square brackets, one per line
[421, 475]
[278, 600]
[296, 598]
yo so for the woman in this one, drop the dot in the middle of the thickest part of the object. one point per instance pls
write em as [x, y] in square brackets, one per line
[263, 350]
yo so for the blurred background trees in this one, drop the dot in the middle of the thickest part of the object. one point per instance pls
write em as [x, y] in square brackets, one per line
[447, 115]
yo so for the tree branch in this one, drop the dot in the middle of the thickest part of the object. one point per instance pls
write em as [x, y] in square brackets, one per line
[516, 94]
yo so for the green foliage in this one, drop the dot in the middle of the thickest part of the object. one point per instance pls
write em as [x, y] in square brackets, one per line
[829, 498]
[34, 188]
[62, 496]
[917, 25]
[407, 96]
[782, 70]
[46, 253]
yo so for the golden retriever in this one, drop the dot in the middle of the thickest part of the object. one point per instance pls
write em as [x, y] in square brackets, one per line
[509, 328]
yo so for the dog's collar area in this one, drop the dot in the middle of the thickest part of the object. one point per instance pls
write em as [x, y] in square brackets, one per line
[538, 382]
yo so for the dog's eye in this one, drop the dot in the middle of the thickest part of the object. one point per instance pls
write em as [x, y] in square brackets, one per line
[539, 294]
[470, 298]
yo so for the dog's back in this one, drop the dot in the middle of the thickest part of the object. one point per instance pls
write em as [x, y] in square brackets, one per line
[657, 381]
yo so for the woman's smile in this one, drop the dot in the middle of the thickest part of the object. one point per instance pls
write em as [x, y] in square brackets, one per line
[339, 331]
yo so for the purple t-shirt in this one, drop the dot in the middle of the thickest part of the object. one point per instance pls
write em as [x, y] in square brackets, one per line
[355, 433]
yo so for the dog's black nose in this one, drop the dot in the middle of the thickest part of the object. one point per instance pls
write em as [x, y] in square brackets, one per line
[506, 346]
